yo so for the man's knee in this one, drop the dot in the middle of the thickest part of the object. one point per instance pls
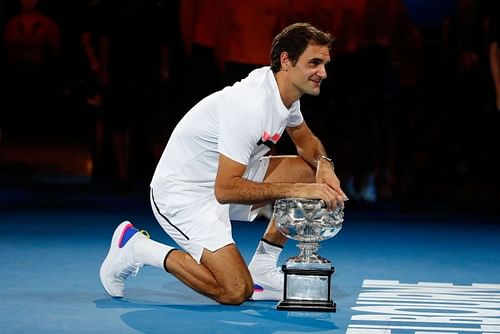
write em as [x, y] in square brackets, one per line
[237, 294]
[233, 281]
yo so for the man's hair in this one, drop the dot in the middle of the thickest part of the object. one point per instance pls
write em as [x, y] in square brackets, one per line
[294, 39]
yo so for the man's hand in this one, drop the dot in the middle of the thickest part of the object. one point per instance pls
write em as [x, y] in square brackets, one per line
[325, 174]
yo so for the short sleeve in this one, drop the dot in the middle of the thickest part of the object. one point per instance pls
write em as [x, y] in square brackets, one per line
[295, 118]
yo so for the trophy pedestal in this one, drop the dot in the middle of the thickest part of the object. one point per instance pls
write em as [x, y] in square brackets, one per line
[307, 290]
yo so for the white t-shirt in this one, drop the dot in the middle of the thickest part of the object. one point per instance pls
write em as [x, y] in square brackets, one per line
[237, 121]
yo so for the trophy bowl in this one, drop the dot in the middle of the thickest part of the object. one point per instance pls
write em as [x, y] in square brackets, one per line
[308, 221]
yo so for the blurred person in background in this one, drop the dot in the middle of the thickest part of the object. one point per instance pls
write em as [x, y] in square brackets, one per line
[32, 88]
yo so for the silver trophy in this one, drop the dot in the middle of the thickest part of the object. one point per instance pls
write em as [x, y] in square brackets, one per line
[307, 275]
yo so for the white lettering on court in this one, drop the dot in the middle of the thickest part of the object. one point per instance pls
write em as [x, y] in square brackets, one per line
[391, 307]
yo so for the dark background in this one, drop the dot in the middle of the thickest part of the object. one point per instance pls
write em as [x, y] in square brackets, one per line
[403, 115]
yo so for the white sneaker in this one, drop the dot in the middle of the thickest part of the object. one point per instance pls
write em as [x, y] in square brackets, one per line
[268, 284]
[120, 262]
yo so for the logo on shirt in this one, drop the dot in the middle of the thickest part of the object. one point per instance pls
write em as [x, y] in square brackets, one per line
[269, 140]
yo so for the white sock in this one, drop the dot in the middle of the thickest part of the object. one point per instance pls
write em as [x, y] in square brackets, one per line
[266, 255]
[151, 252]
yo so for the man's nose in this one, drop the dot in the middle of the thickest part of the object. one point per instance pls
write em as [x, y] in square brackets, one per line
[322, 72]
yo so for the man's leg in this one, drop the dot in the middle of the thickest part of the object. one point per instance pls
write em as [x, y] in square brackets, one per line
[268, 278]
[222, 275]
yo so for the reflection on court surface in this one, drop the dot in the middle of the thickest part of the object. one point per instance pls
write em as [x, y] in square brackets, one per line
[394, 273]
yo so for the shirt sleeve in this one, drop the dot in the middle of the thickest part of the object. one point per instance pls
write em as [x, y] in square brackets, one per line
[295, 118]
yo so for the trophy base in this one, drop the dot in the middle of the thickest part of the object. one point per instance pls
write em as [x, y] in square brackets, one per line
[307, 290]
[307, 305]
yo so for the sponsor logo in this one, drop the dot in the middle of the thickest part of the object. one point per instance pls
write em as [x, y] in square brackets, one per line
[269, 140]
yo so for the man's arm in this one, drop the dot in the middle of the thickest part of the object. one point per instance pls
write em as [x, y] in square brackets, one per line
[310, 148]
[231, 187]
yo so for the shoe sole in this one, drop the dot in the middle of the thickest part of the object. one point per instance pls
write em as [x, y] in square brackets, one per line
[113, 249]
[264, 292]
[266, 295]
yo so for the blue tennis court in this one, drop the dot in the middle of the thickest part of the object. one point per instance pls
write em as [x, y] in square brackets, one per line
[395, 272]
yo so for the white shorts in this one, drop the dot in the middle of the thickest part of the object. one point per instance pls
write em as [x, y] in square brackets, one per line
[205, 223]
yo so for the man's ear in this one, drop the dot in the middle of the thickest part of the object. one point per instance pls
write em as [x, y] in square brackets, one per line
[285, 61]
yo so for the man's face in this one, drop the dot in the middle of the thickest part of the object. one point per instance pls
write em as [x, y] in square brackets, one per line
[309, 71]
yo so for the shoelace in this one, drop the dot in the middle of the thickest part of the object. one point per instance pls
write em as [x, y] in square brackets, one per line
[130, 269]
